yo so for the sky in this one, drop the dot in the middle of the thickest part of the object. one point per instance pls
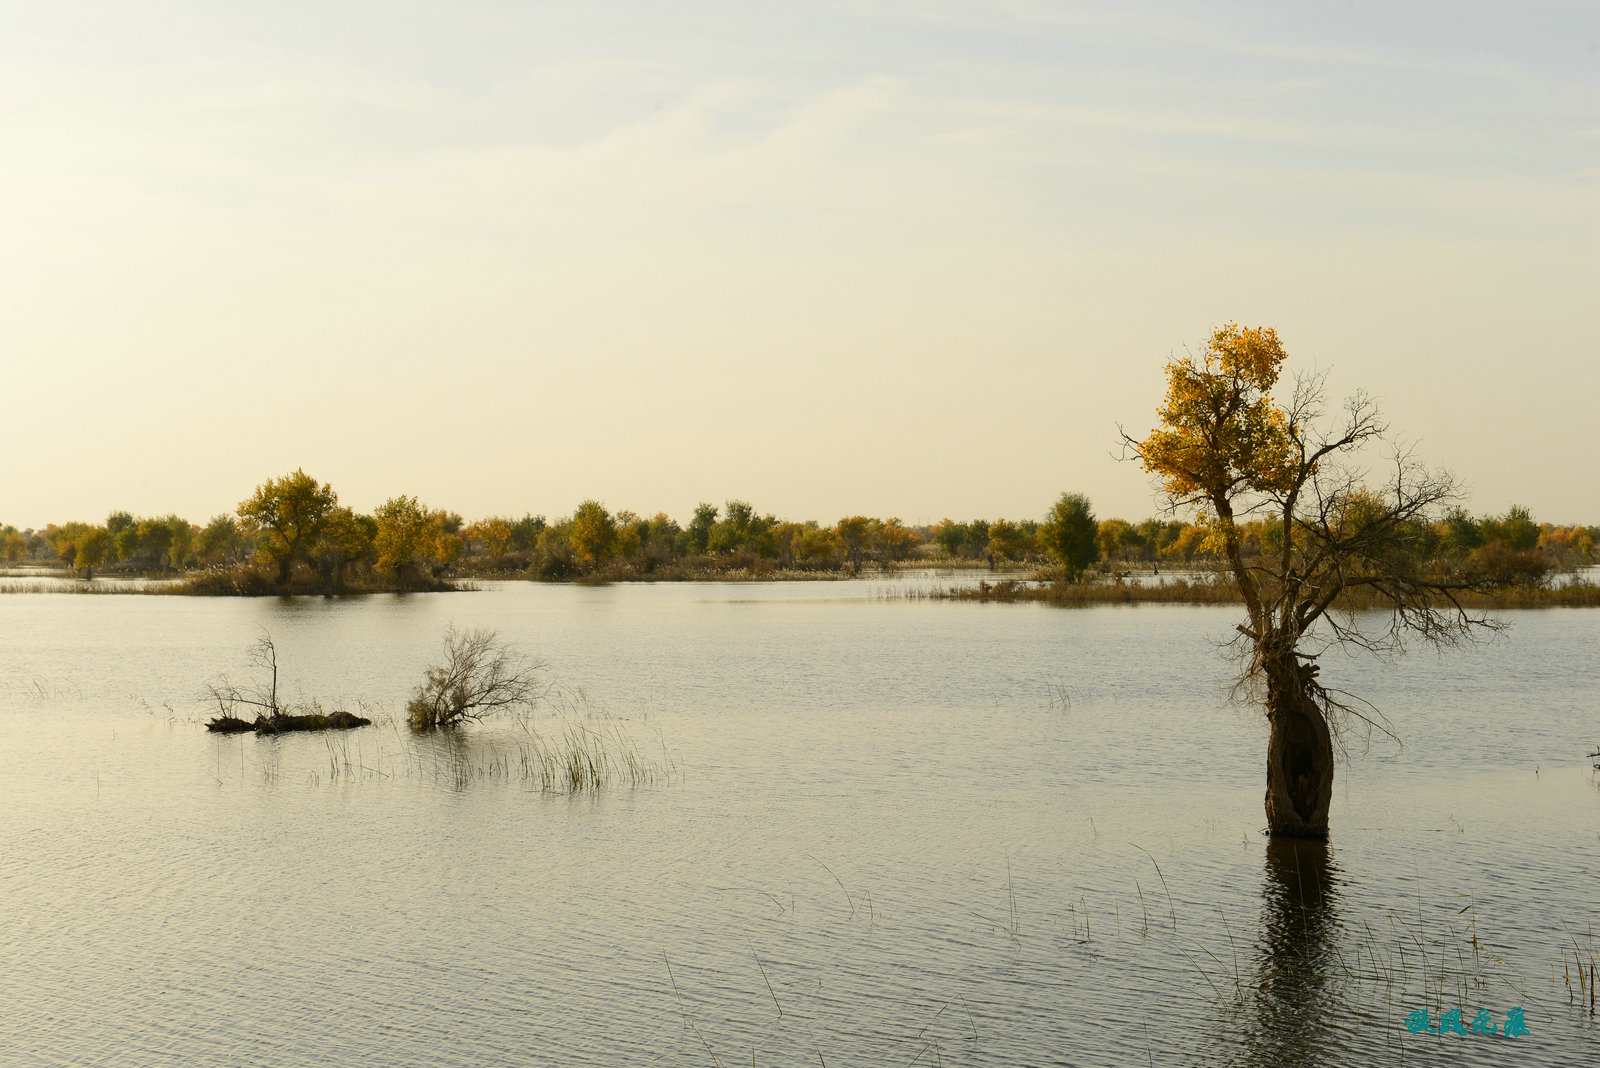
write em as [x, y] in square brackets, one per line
[919, 259]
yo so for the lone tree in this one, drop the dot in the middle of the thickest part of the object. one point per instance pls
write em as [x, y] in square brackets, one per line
[1230, 452]
[1068, 534]
[480, 674]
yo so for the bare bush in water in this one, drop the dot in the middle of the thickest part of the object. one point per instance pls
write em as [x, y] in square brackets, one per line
[481, 674]
[270, 717]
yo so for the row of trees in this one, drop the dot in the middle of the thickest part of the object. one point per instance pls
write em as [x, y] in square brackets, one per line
[294, 532]
[292, 527]
[738, 537]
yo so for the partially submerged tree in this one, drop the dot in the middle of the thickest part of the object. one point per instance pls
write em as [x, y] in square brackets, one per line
[481, 674]
[1226, 449]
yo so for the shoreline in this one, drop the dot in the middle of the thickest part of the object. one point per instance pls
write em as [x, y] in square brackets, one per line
[1016, 585]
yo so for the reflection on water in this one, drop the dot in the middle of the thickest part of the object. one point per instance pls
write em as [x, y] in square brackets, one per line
[1290, 1004]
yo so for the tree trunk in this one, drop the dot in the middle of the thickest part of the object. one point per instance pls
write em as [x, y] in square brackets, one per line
[285, 566]
[1299, 754]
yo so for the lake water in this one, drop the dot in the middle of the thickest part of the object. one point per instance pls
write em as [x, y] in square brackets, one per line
[889, 832]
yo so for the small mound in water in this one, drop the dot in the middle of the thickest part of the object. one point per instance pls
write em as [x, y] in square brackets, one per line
[284, 722]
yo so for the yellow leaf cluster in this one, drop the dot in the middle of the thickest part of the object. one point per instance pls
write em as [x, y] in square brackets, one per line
[1221, 433]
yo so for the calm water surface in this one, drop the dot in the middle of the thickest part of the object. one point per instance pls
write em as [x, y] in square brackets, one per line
[893, 832]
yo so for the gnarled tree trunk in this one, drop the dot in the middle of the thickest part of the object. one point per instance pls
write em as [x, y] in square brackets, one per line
[1299, 752]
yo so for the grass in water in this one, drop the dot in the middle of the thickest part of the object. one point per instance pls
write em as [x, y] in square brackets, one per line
[574, 757]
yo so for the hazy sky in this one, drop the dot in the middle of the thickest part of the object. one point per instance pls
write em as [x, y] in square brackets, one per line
[901, 258]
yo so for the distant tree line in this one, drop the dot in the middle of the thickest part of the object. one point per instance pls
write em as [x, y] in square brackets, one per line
[292, 534]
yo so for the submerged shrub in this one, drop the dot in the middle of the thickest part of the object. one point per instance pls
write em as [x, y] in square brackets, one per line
[480, 675]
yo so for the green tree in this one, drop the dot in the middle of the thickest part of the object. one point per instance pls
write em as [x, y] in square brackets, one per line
[1226, 449]
[1517, 530]
[697, 535]
[117, 522]
[784, 537]
[155, 542]
[1069, 534]
[525, 532]
[632, 531]
[743, 530]
[222, 541]
[659, 538]
[287, 513]
[180, 546]
[126, 543]
[1158, 534]
[950, 537]
[977, 538]
[1459, 533]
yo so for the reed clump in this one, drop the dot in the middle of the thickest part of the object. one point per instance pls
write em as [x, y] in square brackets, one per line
[573, 758]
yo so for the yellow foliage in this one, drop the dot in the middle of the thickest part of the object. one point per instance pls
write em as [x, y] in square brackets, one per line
[1220, 431]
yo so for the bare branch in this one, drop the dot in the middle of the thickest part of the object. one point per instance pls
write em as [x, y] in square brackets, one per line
[480, 675]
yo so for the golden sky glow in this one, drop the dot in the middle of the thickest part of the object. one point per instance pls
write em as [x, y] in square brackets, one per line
[912, 259]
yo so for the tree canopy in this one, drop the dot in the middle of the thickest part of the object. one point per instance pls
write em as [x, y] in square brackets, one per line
[288, 514]
[1069, 534]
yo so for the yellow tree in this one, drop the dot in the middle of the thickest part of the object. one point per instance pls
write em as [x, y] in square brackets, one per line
[1006, 541]
[815, 546]
[287, 514]
[92, 546]
[1114, 538]
[410, 537]
[854, 534]
[594, 535]
[494, 532]
[1227, 450]
[345, 539]
[893, 540]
